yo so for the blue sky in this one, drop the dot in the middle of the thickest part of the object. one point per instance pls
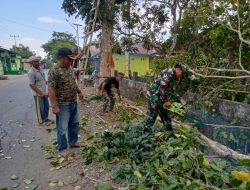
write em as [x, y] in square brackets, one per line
[33, 21]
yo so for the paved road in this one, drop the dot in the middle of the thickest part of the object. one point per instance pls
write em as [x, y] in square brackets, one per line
[18, 126]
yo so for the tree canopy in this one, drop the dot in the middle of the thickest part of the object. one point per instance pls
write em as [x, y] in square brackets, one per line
[23, 51]
[57, 41]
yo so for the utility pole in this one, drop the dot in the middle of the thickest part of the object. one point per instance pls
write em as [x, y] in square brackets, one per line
[14, 37]
[77, 32]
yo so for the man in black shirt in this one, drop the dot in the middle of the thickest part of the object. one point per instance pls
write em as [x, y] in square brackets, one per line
[107, 93]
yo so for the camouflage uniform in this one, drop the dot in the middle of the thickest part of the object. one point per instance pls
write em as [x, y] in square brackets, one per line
[64, 82]
[67, 121]
[109, 98]
[160, 91]
[109, 101]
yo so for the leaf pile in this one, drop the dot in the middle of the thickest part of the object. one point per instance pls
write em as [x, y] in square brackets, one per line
[161, 160]
[91, 98]
[49, 148]
[124, 114]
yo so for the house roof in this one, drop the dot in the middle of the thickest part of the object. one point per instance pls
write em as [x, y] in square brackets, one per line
[141, 51]
[6, 50]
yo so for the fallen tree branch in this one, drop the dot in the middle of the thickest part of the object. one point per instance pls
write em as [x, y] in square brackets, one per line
[217, 76]
[223, 150]
[135, 108]
[218, 148]
[101, 118]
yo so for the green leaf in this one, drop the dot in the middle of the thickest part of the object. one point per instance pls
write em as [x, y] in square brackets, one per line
[27, 181]
[60, 183]
[14, 177]
[141, 187]
[105, 186]
[33, 187]
[16, 185]
[245, 162]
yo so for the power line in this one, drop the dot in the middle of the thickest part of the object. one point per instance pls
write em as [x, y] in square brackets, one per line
[26, 25]
[77, 31]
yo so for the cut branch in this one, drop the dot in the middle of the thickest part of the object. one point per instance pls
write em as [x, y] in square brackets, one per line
[218, 76]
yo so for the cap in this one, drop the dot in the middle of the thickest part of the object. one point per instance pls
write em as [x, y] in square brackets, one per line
[65, 52]
[185, 71]
[120, 73]
[178, 65]
[32, 58]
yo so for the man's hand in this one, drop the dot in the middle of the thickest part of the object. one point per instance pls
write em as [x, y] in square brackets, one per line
[101, 93]
[41, 94]
[183, 102]
[167, 104]
[80, 95]
[55, 110]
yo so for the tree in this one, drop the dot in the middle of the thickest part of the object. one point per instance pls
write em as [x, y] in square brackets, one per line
[105, 21]
[57, 41]
[47, 62]
[23, 51]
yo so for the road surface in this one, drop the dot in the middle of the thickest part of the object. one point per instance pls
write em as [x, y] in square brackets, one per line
[21, 139]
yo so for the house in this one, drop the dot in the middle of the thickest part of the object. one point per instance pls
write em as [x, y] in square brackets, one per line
[1, 68]
[10, 62]
[26, 65]
[140, 62]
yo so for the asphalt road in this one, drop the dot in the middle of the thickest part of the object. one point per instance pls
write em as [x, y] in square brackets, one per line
[19, 153]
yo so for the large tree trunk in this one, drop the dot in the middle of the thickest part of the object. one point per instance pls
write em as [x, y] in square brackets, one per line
[106, 45]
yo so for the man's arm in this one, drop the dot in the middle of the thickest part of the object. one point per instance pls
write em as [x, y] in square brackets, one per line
[52, 81]
[79, 92]
[52, 97]
[102, 88]
[32, 82]
[177, 98]
[36, 90]
[119, 94]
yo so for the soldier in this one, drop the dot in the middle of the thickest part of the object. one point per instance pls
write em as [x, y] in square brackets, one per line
[160, 94]
[106, 91]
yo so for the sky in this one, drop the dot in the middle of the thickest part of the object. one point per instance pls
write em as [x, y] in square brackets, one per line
[33, 21]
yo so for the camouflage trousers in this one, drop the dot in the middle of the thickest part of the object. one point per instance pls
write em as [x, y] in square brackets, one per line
[152, 114]
[108, 101]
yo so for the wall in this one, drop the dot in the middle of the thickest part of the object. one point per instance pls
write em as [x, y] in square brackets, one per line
[120, 62]
[26, 66]
[138, 63]
[233, 109]
[11, 63]
[132, 89]
[1, 68]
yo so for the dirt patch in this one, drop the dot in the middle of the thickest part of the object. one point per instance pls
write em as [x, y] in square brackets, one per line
[87, 176]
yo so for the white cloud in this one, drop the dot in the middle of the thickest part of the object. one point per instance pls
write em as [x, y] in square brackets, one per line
[50, 20]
